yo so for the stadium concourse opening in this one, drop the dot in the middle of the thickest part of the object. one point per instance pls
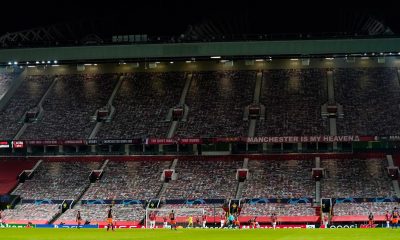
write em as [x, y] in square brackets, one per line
[204, 140]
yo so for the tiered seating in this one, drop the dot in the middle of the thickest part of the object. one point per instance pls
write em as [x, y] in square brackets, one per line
[370, 99]
[363, 209]
[217, 101]
[70, 105]
[279, 179]
[142, 105]
[129, 180]
[204, 180]
[9, 171]
[26, 97]
[293, 99]
[5, 82]
[24, 213]
[97, 213]
[266, 209]
[58, 180]
[356, 178]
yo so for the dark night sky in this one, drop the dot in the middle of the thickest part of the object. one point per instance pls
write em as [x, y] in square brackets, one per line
[161, 17]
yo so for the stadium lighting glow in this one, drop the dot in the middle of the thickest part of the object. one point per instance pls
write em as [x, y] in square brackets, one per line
[364, 58]
[157, 62]
[259, 60]
[48, 62]
[373, 54]
[390, 53]
[37, 62]
[31, 66]
[330, 58]
[294, 59]
[398, 53]
[87, 64]
[95, 64]
[43, 62]
[55, 65]
[9, 63]
[224, 61]
[171, 62]
[215, 57]
[55, 62]
[381, 53]
[15, 63]
[365, 54]
[27, 62]
[188, 61]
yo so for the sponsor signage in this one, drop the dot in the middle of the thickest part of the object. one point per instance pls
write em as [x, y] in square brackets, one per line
[281, 226]
[343, 226]
[18, 144]
[4, 144]
[65, 226]
[6, 225]
[122, 226]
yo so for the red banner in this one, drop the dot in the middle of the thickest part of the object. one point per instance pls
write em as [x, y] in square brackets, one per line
[42, 142]
[160, 141]
[18, 144]
[300, 139]
[190, 141]
[74, 142]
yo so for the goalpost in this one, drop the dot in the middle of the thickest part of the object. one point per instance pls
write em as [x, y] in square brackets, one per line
[181, 216]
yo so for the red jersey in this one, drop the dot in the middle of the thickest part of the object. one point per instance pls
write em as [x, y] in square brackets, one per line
[172, 216]
[388, 216]
[204, 218]
[152, 216]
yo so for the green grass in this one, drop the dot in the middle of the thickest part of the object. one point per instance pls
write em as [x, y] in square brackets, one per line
[197, 234]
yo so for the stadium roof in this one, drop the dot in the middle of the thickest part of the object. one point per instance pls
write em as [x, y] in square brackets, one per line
[202, 19]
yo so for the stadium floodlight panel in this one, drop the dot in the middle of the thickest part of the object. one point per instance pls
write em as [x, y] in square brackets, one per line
[329, 58]
[15, 62]
[259, 60]
[294, 59]
[215, 57]
[37, 62]
[55, 61]
[9, 63]
[171, 62]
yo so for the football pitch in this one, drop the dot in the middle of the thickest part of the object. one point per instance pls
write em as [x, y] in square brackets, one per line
[200, 234]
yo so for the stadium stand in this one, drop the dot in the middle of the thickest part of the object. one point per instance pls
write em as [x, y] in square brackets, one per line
[204, 179]
[142, 104]
[370, 99]
[74, 100]
[279, 179]
[140, 180]
[97, 213]
[356, 178]
[5, 82]
[58, 180]
[217, 101]
[266, 209]
[363, 209]
[25, 98]
[37, 214]
[293, 99]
